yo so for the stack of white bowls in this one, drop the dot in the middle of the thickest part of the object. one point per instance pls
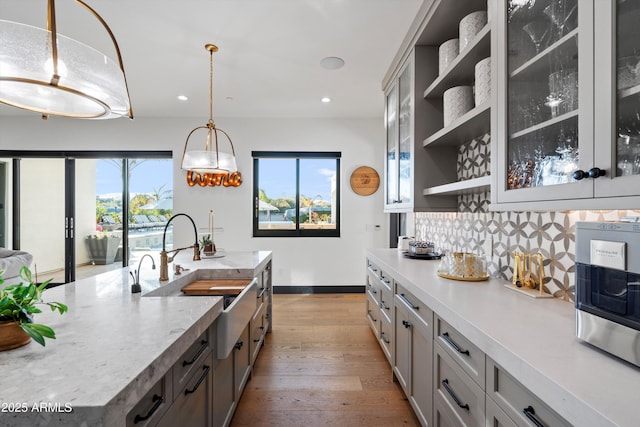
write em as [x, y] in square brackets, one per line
[471, 25]
[447, 52]
[458, 100]
[483, 81]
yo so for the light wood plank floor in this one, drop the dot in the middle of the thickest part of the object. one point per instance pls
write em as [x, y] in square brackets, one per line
[322, 366]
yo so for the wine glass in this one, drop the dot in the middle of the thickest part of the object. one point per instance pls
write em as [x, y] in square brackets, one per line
[560, 12]
[537, 31]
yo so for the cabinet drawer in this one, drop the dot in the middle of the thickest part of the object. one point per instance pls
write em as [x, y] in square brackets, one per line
[454, 389]
[386, 304]
[386, 338]
[373, 314]
[153, 405]
[189, 361]
[518, 403]
[496, 417]
[373, 273]
[418, 308]
[373, 290]
[193, 403]
[258, 330]
[470, 358]
[443, 416]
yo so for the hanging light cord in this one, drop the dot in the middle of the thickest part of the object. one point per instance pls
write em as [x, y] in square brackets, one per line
[210, 85]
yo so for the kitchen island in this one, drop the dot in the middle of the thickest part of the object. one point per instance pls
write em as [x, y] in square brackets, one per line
[112, 346]
[531, 340]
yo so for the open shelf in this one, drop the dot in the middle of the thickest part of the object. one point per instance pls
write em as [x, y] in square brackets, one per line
[472, 124]
[469, 186]
[461, 70]
[545, 124]
[540, 63]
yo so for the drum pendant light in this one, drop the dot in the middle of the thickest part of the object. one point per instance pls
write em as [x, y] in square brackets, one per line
[46, 72]
[211, 159]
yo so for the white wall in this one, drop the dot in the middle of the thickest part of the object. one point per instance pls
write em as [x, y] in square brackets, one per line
[297, 261]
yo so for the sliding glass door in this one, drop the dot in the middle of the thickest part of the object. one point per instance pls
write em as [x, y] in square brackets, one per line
[81, 214]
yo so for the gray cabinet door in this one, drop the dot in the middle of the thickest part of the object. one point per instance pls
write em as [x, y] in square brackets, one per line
[193, 405]
[242, 362]
[543, 62]
[421, 397]
[402, 348]
[223, 392]
[616, 101]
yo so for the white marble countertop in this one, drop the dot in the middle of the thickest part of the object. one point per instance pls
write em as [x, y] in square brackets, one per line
[533, 339]
[111, 345]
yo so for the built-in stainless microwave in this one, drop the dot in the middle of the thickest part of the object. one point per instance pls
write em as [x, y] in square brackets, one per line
[608, 287]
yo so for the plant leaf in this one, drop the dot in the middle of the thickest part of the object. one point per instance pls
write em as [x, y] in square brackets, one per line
[25, 274]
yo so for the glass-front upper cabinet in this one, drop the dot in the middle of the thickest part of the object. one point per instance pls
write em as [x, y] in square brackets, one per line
[568, 104]
[391, 113]
[618, 102]
[399, 160]
[542, 109]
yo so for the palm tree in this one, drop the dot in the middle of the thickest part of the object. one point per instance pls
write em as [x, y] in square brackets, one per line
[159, 194]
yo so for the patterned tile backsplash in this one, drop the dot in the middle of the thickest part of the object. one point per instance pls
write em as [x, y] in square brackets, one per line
[498, 234]
[475, 229]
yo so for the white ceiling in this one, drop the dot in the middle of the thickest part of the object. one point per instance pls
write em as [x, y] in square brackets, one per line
[268, 64]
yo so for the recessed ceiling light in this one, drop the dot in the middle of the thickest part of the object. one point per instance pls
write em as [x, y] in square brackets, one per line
[332, 63]
[326, 99]
[183, 97]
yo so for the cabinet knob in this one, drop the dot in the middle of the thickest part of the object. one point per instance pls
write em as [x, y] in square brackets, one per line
[580, 174]
[592, 173]
[597, 172]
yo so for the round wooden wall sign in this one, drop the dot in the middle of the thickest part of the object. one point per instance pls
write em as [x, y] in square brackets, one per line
[365, 181]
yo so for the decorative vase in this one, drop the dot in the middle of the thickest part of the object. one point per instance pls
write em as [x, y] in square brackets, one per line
[12, 336]
[209, 250]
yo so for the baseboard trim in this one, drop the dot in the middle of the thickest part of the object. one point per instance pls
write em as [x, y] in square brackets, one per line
[355, 289]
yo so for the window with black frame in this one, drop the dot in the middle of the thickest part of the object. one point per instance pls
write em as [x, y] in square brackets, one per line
[296, 194]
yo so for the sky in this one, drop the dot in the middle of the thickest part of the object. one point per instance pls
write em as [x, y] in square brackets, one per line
[145, 176]
[278, 177]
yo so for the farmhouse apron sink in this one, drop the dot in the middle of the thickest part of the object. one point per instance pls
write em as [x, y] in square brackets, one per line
[240, 296]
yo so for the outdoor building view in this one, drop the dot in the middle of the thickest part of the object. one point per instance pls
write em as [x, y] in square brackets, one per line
[285, 182]
[94, 188]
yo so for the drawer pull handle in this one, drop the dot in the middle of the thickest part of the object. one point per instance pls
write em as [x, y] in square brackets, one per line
[406, 324]
[257, 339]
[445, 336]
[445, 384]
[195, 387]
[383, 305]
[373, 291]
[372, 318]
[195, 356]
[158, 401]
[531, 414]
[238, 345]
[262, 292]
[384, 339]
[403, 298]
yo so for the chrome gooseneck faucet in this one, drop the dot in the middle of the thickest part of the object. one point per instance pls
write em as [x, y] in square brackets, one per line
[164, 255]
[135, 287]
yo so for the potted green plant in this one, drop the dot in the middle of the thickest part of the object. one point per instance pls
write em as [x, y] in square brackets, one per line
[103, 247]
[206, 245]
[18, 304]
